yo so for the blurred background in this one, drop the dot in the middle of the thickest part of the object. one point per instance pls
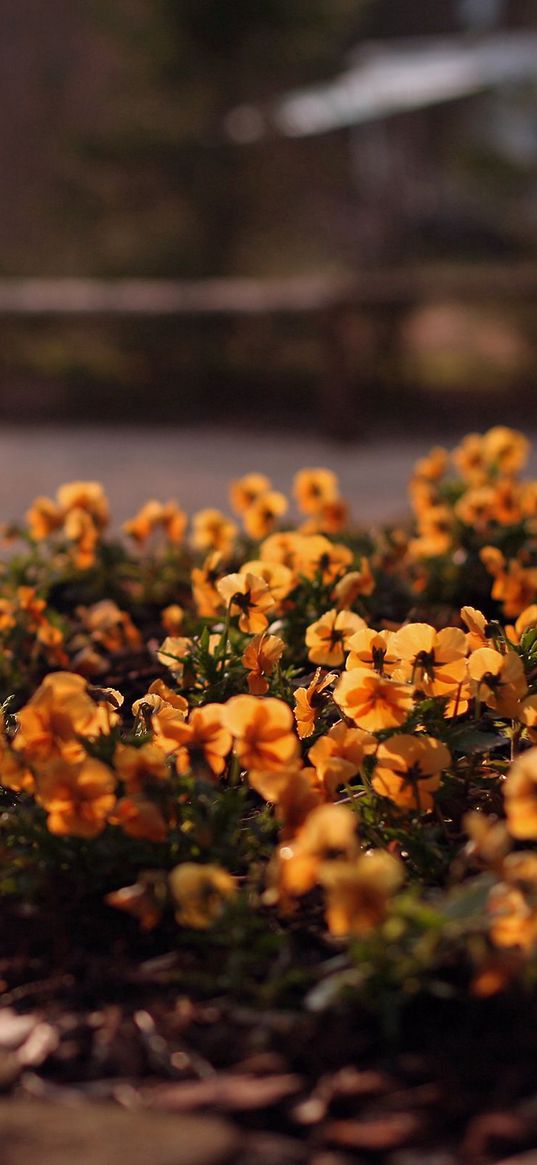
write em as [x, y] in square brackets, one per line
[316, 219]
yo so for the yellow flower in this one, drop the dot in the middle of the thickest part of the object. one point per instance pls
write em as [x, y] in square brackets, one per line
[497, 680]
[78, 798]
[337, 757]
[520, 795]
[263, 732]
[247, 489]
[261, 516]
[328, 638]
[260, 658]
[248, 597]
[309, 701]
[409, 768]
[312, 488]
[211, 530]
[200, 893]
[372, 702]
[358, 893]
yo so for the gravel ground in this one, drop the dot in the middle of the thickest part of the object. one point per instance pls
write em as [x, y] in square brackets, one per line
[194, 465]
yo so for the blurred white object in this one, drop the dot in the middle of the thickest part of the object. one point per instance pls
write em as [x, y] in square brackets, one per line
[390, 77]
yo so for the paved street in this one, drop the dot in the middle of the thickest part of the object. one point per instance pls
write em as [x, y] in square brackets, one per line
[194, 465]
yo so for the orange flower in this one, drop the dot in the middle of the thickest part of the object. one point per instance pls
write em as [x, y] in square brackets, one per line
[513, 923]
[327, 835]
[204, 741]
[139, 817]
[247, 489]
[260, 658]
[372, 649]
[338, 755]
[434, 465]
[109, 626]
[469, 457]
[328, 638]
[435, 528]
[248, 597]
[317, 556]
[78, 798]
[204, 580]
[330, 518]
[13, 772]
[44, 517]
[172, 618]
[211, 530]
[514, 586]
[312, 488]
[279, 579]
[59, 712]
[372, 702]
[263, 733]
[477, 625]
[159, 697]
[167, 516]
[144, 900]
[497, 680]
[527, 620]
[309, 701]
[476, 508]
[353, 584]
[505, 450]
[435, 661]
[261, 516]
[200, 893]
[358, 893]
[140, 768]
[520, 794]
[408, 769]
[88, 496]
[282, 547]
[172, 653]
[294, 791]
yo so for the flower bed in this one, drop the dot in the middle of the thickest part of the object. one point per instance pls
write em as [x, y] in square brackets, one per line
[298, 756]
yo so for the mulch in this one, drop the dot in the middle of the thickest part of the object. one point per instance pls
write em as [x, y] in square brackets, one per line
[218, 1081]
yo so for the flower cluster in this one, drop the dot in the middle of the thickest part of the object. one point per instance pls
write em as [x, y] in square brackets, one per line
[296, 715]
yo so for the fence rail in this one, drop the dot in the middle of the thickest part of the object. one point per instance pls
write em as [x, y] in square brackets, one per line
[236, 296]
